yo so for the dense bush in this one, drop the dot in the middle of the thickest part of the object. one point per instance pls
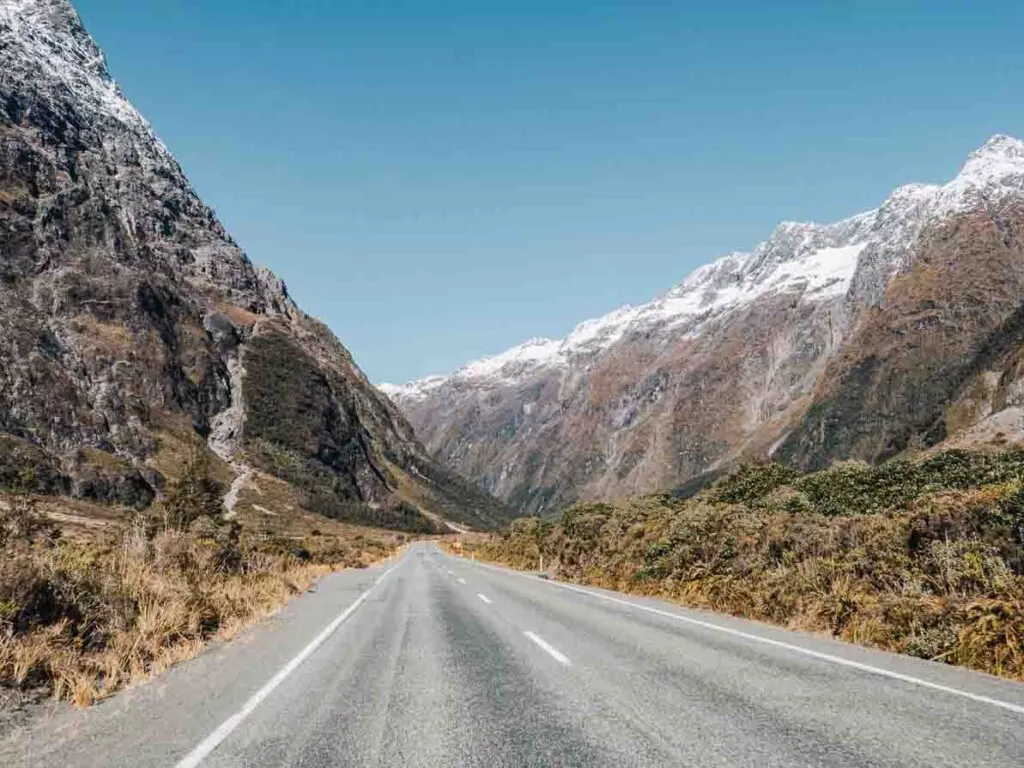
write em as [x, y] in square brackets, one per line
[26, 467]
[753, 482]
[195, 494]
[924, 558]
[854, 487]
[399, 516]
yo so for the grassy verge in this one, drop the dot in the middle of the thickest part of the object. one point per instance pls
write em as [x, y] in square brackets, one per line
[923, 558]
[82, 617]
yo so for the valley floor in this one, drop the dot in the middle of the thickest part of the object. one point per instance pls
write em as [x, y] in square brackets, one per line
[435, 660]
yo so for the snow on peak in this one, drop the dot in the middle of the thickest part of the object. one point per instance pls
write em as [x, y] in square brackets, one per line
[819, 262]
[1000, 146]
[999, 159]
[44, 47]
[600, 332]
[991, 173]
[415, 390]
[505, 367]
[529, 354]
[915, 191]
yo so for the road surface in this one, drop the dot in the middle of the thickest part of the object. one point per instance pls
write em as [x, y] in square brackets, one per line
[436, 661]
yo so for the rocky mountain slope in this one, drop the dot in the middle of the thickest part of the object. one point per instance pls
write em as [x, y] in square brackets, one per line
[131, 324]
[893, 330]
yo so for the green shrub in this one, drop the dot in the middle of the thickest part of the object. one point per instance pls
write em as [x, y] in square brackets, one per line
[400, 516]
[924, 558]
[752, 482]
[195, 494]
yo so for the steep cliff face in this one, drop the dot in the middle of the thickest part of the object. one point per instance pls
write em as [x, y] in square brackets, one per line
[936, 355]
[130, 321]
[894, 329]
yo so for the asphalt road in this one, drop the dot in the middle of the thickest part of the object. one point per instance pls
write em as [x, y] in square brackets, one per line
[436, 661]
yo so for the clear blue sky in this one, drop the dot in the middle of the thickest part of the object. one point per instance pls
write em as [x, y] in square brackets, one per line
[441, 180]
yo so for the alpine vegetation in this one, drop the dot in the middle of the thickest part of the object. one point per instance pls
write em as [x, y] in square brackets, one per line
[922, 557]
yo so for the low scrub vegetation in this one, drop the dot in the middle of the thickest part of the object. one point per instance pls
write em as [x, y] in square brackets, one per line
[924, 558]
[82, 618]
[329, 495]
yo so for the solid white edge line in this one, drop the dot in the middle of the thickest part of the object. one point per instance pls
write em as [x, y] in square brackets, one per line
[484, 597]
[839, 660]
[211, 742]
[556, 654]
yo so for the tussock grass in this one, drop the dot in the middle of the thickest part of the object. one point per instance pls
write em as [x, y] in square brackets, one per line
[84, 619]
[922, 558]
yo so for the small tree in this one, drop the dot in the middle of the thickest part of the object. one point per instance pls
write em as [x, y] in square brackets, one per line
[195, 494]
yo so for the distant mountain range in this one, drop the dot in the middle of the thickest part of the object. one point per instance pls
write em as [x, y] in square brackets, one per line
[133, 326]
[895, 330]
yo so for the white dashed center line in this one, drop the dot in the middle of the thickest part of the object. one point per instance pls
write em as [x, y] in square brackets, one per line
[462, 581]
[556, 654]
[483, 597]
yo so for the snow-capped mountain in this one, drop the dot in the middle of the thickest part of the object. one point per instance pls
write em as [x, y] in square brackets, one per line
[625, 388]
[817, 261]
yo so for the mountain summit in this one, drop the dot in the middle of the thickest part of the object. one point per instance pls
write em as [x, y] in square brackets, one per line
[132, 325]
[889, 331]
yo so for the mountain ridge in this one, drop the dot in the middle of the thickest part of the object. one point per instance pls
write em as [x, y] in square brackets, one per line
[1000, 155]
[785, 308]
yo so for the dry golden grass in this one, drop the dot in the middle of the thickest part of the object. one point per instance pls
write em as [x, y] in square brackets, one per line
[86, 618]
[238, 315]
[109, 337]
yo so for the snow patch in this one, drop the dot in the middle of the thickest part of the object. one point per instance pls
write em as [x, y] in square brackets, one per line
[528, 354]
[416, 390]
